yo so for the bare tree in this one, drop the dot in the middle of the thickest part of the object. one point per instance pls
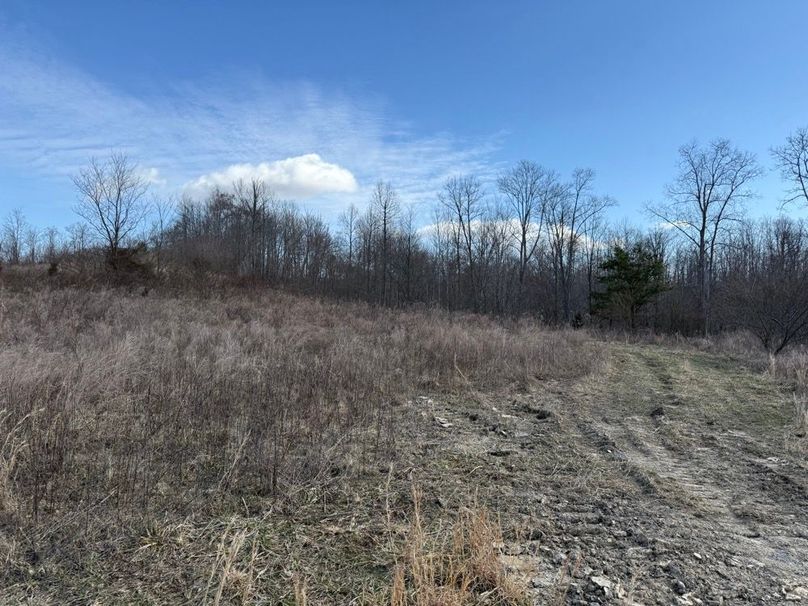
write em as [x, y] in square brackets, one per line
[568, 214]
[162, 217]
[14, 230]
[594, 249]
[348, 220]
[111, 200]
[385, 202]
[32, 242]
[764, 284]
[51, 251]
[529, 189]
[77, 242]
[253, 199]
[409, 247]
[440, 237]
[707, 196]
[496, 270]
[367, 228]
[462, 197]
[792, 160]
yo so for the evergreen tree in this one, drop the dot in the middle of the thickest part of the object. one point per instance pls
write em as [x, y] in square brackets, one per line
[632, 277]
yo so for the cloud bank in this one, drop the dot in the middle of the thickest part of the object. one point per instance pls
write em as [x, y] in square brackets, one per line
[301, 177]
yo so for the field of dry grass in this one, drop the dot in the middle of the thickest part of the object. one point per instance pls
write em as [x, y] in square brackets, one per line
[248, 446]
[173, 448]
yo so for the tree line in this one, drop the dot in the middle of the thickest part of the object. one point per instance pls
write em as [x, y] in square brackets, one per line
[533, 242]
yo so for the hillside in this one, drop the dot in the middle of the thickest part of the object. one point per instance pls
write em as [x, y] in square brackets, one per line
[256, 447]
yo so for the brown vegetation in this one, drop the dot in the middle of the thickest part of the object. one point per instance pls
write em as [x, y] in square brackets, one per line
[132, 426]
[456, 566]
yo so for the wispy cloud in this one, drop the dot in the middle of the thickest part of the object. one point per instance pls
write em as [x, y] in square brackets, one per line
[54, 116]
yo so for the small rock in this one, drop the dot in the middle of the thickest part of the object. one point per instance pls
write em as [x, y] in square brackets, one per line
[601, 582]
[541, 582]
[443, 422]
[559, 558]
[795, 594]
[514, 550]
[637, 553]
[679, 587]
[500, 453]
[673, 570]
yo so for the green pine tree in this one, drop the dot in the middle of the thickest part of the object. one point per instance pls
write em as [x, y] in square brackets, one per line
[632, 277]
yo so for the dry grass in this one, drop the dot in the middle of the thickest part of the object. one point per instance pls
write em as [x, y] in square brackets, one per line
[454, 567]
[792, 367]
[127, 419]
[801, 415]
[789, 367]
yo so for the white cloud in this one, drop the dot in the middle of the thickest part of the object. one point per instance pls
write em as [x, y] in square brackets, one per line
[152, 176]
[670, 225]
[300, 177]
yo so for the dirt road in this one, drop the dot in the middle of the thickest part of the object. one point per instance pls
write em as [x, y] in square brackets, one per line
[669, 478]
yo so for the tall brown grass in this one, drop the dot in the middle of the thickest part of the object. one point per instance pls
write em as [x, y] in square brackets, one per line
[792, 366]
[455, 567]
[117, 408]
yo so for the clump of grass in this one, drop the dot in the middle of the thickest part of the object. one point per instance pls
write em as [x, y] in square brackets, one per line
[456, 567]
[226, 568]
[11, 447]
[793, 365]
[793, 368]
[801, 415]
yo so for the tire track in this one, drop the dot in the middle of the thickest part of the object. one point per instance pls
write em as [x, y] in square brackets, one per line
[754, 505]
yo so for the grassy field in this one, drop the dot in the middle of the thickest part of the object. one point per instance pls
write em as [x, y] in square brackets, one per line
[257, 447]
[164, 448]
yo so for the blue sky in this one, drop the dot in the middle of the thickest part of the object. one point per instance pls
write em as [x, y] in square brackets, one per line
[325, 98]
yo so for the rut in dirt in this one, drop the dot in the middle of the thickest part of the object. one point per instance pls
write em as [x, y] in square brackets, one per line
[738, 494]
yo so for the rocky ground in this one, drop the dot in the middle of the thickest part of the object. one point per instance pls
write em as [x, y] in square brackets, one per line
[668, 478]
